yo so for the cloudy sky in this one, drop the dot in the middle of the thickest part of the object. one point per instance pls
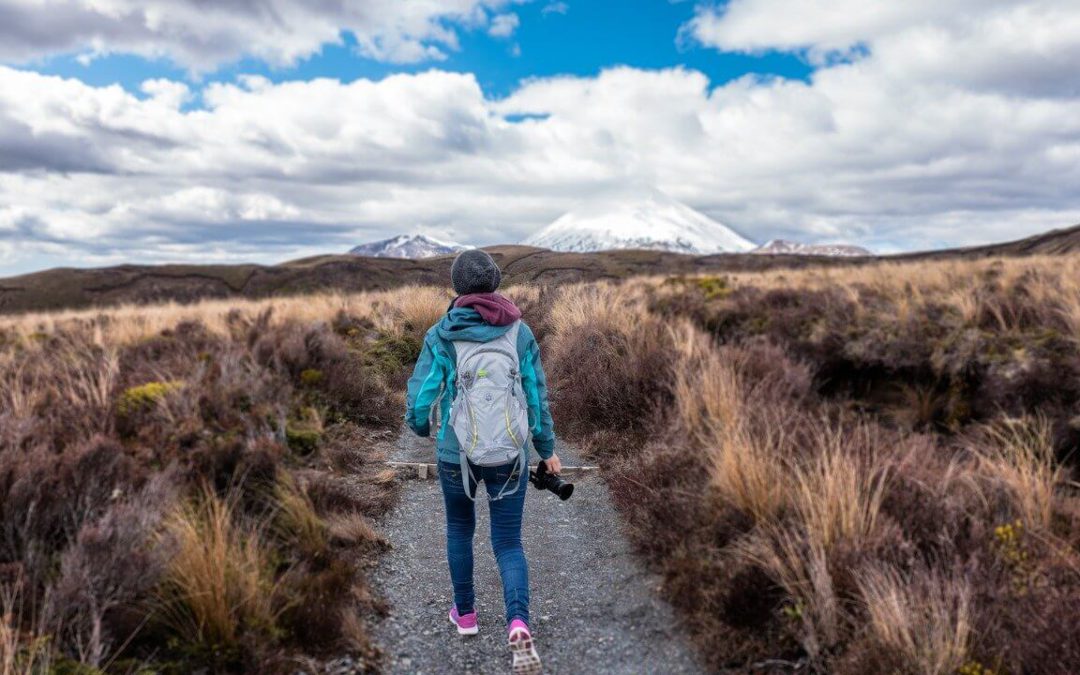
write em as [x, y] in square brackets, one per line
[264, 130]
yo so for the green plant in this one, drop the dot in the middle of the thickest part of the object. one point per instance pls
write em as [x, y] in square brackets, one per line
[1009, 541]
[145, 396]
[302, 440]
[974, 668]
[713, 287]
[390, 354]
[304, 433]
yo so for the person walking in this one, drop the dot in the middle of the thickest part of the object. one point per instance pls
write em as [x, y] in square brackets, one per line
[481, 364]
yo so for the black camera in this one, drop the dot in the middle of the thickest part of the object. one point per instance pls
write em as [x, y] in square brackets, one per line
[542, 480]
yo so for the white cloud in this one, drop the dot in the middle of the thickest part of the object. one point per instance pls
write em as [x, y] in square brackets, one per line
[170, 93]
[504, 25]
[204, 35]
[1027, 46]
[555, 8]
[904, 147]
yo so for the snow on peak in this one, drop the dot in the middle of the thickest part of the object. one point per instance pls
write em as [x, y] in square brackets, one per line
[642, 220]
[408, 246]
[784, 247]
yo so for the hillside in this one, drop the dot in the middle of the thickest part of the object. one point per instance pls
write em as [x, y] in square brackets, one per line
[1054, 242]
[75, 288]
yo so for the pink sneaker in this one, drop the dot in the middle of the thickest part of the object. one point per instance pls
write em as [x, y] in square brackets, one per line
[526, 660]
[466, 624]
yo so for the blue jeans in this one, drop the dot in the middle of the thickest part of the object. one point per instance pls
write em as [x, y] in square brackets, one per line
[505, 535]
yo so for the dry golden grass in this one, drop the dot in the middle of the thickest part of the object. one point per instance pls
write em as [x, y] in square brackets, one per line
[923, 618]
[1049, 281]
[601, 304]
[414, 309]
[354, 529]
[1019, 454]
[711, 409]
[220, 579]
[127, 324]
[294, 518]
[801, 568]
[709, 394]
[837, 495]
[749, 474]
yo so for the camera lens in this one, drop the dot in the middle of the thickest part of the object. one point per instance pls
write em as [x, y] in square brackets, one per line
[564, 491]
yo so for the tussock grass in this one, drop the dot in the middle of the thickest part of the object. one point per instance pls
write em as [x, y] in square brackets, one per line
[219, 582]
[836, 494]
[749, 474]
[709, 392]
[1019, 455]
[295, 519]
[413, 309]
[800, 566]
[354, 528]
[923, 618]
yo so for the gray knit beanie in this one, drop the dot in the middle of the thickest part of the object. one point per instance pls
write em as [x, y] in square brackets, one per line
[474, 271]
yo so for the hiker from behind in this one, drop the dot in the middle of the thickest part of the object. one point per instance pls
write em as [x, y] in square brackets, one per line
[481, 364]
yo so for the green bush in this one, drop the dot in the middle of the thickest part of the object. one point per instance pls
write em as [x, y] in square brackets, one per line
[392, 354]
[144, 396]
[302, 438]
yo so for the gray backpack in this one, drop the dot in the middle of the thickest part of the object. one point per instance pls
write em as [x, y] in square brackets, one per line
[489, 415]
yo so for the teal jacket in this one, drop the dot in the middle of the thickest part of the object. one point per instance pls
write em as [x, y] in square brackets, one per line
[435, 373]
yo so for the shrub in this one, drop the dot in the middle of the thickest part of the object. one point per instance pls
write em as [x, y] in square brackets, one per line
[109, 569]
[143, 397]
[311, 377]
[610, 376]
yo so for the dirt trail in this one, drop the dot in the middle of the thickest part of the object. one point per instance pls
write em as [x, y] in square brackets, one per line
[594, 609]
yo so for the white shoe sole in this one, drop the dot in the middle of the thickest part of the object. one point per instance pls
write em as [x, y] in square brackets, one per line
[526, 660]
[463, 631]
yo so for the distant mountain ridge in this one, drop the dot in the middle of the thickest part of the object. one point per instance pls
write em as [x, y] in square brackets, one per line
[66, 288]
[411, 246]
[649, 221]
[785, 247]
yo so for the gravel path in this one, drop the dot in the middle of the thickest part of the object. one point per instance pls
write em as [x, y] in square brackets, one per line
[594, 610]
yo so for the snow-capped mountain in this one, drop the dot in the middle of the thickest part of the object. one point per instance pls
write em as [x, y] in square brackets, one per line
[784, 247]
[408, 246]
[649, 220]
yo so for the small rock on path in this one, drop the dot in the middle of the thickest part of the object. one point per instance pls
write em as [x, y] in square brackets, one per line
[594, 609]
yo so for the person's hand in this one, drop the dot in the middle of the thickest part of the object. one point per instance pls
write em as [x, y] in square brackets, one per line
[553, 464]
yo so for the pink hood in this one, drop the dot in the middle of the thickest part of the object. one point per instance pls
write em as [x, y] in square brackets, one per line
[492, 307]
